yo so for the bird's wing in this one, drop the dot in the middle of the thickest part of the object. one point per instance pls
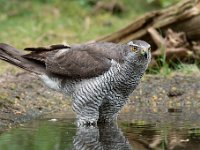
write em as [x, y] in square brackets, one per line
[79, 61]
[48, 48]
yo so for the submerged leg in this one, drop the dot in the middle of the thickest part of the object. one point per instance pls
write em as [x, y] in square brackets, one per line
[87, 111]
[110, 108]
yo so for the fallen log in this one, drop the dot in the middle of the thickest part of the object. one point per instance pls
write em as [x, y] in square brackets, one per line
[175, 29]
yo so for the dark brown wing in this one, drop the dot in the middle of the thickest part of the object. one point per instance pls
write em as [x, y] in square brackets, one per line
[40, 53]
[81, 61]
[48, 48]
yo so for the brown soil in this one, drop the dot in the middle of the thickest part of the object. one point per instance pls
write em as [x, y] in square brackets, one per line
[23, 97]
[166, 99]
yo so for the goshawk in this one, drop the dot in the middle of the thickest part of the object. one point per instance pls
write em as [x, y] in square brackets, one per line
[99, 77]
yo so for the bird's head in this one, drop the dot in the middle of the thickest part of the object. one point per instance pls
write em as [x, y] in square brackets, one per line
[142, 50]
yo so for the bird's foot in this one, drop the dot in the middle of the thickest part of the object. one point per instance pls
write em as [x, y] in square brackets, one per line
[107, 119]
[86, 122]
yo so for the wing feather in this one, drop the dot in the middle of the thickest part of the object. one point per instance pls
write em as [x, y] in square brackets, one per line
[80, 61]
[48, 48]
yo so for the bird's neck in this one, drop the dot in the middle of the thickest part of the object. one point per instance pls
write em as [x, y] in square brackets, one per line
[129, 76]
[134, 68]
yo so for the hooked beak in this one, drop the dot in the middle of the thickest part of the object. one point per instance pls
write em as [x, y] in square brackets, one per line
[144, 52]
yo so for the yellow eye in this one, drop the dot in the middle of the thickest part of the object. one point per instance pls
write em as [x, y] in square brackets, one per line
[133, 48]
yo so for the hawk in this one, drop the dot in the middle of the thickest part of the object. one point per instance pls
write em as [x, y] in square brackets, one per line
[99, 77]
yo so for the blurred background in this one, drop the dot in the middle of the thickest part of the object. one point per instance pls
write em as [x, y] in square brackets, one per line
[26, 23]
[42, 22]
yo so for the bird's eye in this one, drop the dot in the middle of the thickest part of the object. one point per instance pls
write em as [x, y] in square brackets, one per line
[133, 48]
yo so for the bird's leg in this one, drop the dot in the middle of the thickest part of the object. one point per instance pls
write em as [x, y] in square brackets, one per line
[87, 108]
[85, 122]
[86, 116]
[107, 119]
[110, 108]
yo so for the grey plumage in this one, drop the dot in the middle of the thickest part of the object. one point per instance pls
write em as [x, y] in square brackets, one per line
[99, 76]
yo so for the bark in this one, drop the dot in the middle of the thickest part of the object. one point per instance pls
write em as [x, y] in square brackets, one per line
[175, 29]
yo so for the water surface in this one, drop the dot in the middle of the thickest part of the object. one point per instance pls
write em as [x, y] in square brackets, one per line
[129, 134]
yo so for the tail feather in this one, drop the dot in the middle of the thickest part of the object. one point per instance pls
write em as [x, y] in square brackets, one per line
[15, 57]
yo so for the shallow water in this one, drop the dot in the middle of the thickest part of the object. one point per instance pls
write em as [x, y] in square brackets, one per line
[62, 134]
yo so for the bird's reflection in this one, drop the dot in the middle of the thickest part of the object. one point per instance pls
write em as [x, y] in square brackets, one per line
[103, 137]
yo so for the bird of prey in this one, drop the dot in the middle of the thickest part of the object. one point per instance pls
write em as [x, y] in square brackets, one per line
[99, 77]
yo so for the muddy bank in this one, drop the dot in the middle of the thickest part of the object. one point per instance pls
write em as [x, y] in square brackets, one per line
[23, 97]
[165, 99]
